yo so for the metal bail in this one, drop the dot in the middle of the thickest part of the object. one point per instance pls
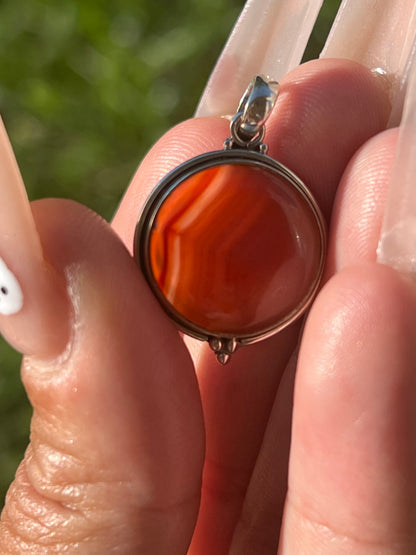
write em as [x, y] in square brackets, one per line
[257, 104]
[247, 126]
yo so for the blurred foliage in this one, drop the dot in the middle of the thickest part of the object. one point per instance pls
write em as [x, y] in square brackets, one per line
[86, 86]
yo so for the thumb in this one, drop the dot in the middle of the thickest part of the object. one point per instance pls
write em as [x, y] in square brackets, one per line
[115, 407]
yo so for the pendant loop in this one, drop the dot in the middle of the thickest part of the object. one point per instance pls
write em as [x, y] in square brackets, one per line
[247, 126]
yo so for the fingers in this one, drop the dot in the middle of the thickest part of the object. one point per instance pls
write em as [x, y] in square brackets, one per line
[114, 411]
[354, 386]
[353, 240]
[351, 478]
[337, 105]
[321, 99]
[313, 93]
[359, 205]
[258, 528]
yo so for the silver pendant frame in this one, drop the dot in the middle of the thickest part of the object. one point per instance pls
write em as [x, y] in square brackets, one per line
[223, 344]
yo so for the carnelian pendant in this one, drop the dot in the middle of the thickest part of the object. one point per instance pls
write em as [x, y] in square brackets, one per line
[232, 244]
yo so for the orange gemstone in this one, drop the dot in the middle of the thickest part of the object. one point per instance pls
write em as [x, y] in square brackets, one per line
[236, 249]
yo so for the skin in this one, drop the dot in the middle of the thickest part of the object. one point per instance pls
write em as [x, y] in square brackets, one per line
[137, 447]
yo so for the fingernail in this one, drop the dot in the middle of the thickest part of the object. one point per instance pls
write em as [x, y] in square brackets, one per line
[269, 38]
[33, 303]
[377, 34]
[11, 296]
[397, 247]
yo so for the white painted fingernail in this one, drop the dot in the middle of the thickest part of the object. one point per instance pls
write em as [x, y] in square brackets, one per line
[269, 38]
[11, 296]
[40, 327]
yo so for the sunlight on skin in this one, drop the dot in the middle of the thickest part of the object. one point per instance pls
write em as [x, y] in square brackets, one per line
[124, 433]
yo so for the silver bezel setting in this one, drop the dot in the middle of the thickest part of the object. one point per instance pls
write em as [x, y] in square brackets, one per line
[222, 343]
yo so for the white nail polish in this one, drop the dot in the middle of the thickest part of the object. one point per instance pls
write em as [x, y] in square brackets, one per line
[11, 296]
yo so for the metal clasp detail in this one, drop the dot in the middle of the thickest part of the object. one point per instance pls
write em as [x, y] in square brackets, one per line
[247, 126]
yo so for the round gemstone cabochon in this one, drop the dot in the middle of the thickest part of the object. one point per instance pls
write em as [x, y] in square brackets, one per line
[236, 249]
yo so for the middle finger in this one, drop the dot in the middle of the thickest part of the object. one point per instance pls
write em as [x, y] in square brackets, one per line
[325, 111]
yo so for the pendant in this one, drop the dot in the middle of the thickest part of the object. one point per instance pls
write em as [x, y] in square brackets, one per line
[232, 243]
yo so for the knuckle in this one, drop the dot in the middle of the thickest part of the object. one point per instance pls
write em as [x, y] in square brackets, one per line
[30, 519]
[51, 507]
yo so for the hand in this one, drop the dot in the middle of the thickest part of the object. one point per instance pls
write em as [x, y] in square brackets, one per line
[118, 445]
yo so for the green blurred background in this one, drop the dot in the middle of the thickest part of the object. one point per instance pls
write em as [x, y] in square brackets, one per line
[86, 87]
